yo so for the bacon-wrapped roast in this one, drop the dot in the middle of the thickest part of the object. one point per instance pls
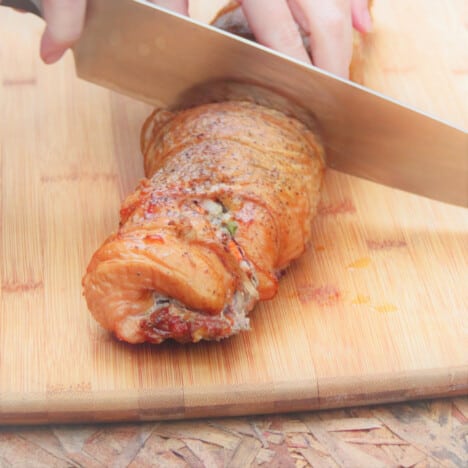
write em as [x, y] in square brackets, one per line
[227, 204]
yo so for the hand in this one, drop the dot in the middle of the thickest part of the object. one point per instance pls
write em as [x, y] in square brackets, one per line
[65, 20]
[328, 23]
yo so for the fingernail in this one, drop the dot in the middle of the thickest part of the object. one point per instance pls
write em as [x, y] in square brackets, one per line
[52, 56]
[367, 21]
[50, 52]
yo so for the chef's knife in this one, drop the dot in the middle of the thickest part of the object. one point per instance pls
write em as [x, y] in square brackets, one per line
[158, 56]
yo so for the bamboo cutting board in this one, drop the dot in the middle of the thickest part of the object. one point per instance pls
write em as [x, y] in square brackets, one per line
[375, 311]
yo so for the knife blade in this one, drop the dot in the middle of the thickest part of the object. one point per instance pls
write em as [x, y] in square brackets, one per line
[160, 57]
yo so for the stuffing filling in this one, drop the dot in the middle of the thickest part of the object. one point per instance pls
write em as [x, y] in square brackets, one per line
[169, 318]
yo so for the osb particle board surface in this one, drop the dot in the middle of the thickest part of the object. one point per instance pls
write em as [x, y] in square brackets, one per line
[422, 434]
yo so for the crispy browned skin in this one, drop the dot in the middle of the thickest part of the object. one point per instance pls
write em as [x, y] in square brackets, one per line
[262, 168]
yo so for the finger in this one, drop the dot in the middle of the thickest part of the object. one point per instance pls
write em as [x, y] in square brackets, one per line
[362, 20]
[273, 25]
[299, 16]
[331, 34]
[64, 20]
[179, 6]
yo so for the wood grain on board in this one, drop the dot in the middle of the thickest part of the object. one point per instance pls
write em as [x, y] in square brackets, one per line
[376, 310]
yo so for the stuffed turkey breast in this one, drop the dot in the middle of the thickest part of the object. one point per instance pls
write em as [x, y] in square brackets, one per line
[227, 204]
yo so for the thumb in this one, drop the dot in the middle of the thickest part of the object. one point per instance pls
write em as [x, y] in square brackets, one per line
[64, 20]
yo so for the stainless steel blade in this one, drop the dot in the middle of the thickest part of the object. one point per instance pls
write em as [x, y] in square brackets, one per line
[157, 56]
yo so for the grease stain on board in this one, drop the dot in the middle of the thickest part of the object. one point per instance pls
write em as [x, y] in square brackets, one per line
[361, 299]
[78, 176]
[21, 287]
[362, 262]
[384, 308]
[386, 244]
[19, 81]
[332, 209]
[364, 299]
[78, 387]
[322, 295]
